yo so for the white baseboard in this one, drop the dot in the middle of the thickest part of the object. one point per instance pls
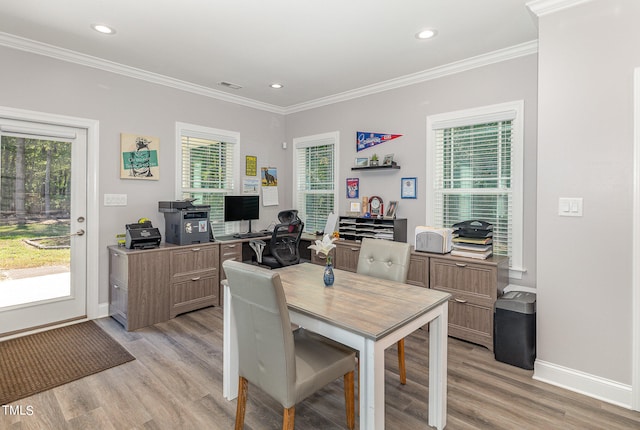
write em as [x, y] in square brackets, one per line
[593, 386]
[103, 310]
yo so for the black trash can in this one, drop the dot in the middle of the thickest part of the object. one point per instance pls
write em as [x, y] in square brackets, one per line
[514, 329]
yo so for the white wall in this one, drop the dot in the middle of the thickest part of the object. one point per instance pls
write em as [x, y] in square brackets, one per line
[404, 111]
[123, 104]
[587, 55]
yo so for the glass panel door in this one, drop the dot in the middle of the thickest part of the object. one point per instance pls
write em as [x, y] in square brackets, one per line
[42, 209]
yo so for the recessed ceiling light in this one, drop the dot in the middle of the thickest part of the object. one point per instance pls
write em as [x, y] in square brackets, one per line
[104, 29]
[426, 34]
[276, 86]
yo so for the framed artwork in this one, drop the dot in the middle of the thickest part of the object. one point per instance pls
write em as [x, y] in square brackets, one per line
[269, 176]
[408, 188]
[362, 162]
[251, 168]
[391, 209]
[388, 160]
[139, 157]
[353, 188]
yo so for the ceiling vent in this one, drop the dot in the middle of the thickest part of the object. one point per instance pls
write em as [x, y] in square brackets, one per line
[229, 85]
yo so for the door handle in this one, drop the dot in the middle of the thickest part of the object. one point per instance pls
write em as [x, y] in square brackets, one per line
[77, 233]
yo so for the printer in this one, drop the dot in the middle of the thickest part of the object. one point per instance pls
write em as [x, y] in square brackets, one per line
[142, 235]
[185, 223]
[432, 239]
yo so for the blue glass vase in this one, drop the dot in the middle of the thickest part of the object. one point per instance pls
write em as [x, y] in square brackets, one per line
[328, 273]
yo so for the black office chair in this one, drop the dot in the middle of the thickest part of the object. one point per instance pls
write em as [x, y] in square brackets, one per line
[285, 241]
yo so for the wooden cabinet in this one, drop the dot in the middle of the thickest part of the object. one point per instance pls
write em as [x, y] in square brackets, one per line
[474, 285]
[194, 278]
[418, 270]
[346, 255]
[138, 287]
[357, 228]
[151, 286]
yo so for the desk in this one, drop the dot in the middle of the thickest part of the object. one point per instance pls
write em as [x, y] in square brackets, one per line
[367, 314]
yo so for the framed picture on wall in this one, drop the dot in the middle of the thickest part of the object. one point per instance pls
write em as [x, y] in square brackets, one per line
[353, 188]
[408, 188]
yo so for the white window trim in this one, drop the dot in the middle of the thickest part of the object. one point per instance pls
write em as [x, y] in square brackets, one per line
[227, 136]
[306, 141]
[207, 133]
[475, 116]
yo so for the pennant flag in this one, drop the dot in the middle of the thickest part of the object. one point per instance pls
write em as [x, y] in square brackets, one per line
[365, 139]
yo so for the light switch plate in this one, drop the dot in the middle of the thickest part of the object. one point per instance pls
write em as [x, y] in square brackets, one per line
[115, 199]
[570, 206]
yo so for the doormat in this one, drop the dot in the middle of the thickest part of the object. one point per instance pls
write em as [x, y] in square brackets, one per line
[38, 362]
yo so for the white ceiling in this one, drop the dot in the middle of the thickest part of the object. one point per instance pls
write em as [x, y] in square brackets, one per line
[320, 50]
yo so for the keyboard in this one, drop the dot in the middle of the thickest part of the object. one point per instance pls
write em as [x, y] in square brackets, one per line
[250, 235]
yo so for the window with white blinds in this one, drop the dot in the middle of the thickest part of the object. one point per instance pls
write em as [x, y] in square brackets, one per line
[475, 172]
[208, 165]
[315, 173]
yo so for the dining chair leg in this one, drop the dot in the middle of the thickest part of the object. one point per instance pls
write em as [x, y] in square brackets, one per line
[349, 399]
[243, 387]
[401, 363]
[288, 418]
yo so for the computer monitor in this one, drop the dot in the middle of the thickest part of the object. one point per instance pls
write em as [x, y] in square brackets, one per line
[242, 208]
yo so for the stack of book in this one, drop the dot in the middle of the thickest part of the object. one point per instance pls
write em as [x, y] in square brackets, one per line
[473, 239]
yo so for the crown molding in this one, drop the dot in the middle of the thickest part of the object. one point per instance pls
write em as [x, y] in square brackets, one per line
[546, 7]
[23, 44]
[516, 51]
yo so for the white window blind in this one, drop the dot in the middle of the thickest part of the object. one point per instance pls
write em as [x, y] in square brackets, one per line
[475, 161]
[315, 175]
[208, 167]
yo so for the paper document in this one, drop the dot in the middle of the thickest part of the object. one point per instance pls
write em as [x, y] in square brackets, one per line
[269, 196]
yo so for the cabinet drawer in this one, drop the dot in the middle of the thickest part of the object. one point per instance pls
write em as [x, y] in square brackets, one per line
[185, 262]
[231, 251]
[473, 283]
[118, 302]
[195, 293]
[471, 322]
[118, 266]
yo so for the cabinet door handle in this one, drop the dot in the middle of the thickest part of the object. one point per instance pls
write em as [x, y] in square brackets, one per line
[461, 265]
[460, 300]
[197, 278]
[195, 249]
[231, 246]
[117, 287]
[355, 249]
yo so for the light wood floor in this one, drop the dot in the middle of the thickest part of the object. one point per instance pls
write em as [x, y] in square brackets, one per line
[176, 383]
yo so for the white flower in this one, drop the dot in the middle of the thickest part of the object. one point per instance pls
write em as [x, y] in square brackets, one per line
[324, 246]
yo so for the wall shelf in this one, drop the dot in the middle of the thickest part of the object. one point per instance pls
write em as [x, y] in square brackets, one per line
[381, 167]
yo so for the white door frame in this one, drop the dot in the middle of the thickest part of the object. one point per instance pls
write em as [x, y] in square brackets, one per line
[635, 270]
[92, 227]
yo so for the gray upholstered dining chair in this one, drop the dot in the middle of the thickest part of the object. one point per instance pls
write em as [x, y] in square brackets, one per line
[289, 366]
[386, 259]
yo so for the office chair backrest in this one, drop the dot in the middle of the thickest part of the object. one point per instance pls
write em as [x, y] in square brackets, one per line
[285, 241]
[288, 216]
[384, 259]
[265, 341]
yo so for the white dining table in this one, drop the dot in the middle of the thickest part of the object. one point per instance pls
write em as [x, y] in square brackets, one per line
[367, 314]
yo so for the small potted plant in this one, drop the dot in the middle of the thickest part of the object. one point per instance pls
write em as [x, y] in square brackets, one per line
[374, 160]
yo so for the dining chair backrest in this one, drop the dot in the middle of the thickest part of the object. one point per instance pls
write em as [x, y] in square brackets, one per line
[384, 259]
[265, 341]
